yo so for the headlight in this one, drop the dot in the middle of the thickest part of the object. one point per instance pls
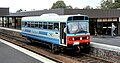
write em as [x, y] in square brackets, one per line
[87, 37]
[80, 38]
[73, 38]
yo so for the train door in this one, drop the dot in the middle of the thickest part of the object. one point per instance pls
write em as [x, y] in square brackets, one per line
[62, 33]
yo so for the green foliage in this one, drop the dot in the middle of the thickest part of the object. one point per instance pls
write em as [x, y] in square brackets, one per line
[110, 5]
[19, 10]
[60, 4]
[117, 1]
[69, 7]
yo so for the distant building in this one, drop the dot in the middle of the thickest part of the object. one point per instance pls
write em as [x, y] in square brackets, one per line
[100, 19]
[3, 11]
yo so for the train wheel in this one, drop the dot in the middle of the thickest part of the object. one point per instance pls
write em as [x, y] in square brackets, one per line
[31, 40]
[55, 48]
[79, 49]
[87, 49]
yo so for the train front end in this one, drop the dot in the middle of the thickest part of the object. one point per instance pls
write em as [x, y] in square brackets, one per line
[78, 35]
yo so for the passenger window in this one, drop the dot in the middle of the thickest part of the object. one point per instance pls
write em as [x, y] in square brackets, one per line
[44, 25]
[24, 24]
[56, 26]
[40, 25]
[32, 24]
[50, 25]
[28, 24]
[86, 18]
[36, 24]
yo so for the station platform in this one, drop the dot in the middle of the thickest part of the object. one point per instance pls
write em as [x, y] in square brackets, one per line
[106, 42]
[10, 53]
[114, 41]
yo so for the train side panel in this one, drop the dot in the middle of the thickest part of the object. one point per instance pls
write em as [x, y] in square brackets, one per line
[40, 34]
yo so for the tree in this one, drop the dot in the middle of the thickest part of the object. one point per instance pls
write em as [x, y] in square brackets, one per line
[69, 7]
[109, 4]
[106, 4]
[76, 8]
[88, 7]
[98, 7]
[19, 10]
[60, 4]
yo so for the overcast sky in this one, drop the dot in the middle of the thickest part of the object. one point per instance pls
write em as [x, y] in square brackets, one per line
[28, 5]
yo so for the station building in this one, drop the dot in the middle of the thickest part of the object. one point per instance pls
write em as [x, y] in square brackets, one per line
[3, 11]
[100, 20]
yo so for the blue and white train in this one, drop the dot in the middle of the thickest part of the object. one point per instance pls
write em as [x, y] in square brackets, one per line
[68, 31]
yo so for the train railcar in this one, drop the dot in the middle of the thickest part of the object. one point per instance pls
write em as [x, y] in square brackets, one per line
[68, 31]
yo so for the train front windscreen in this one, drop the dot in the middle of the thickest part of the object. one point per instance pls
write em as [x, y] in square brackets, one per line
[77, 27]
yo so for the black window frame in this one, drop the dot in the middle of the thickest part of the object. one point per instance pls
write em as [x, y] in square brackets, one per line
[78, 17]
[86, 18]
[36, 24]
[24, 24]
[44, 25]
[50, 25]
[29, 24]
[56, 26]
[41, 25]
[32, 25]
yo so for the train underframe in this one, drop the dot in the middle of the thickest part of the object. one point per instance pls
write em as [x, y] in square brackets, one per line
[82, 47]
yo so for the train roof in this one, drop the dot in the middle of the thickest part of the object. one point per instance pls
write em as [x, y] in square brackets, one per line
[50, 17]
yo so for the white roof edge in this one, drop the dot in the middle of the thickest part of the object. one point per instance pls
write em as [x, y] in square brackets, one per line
[49, 14]
[49, 17]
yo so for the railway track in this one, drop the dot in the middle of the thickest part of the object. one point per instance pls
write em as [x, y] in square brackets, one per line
[12, 39]
[37, 48]
[86, 58]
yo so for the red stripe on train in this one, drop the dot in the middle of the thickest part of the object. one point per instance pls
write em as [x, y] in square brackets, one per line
[80, 39]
